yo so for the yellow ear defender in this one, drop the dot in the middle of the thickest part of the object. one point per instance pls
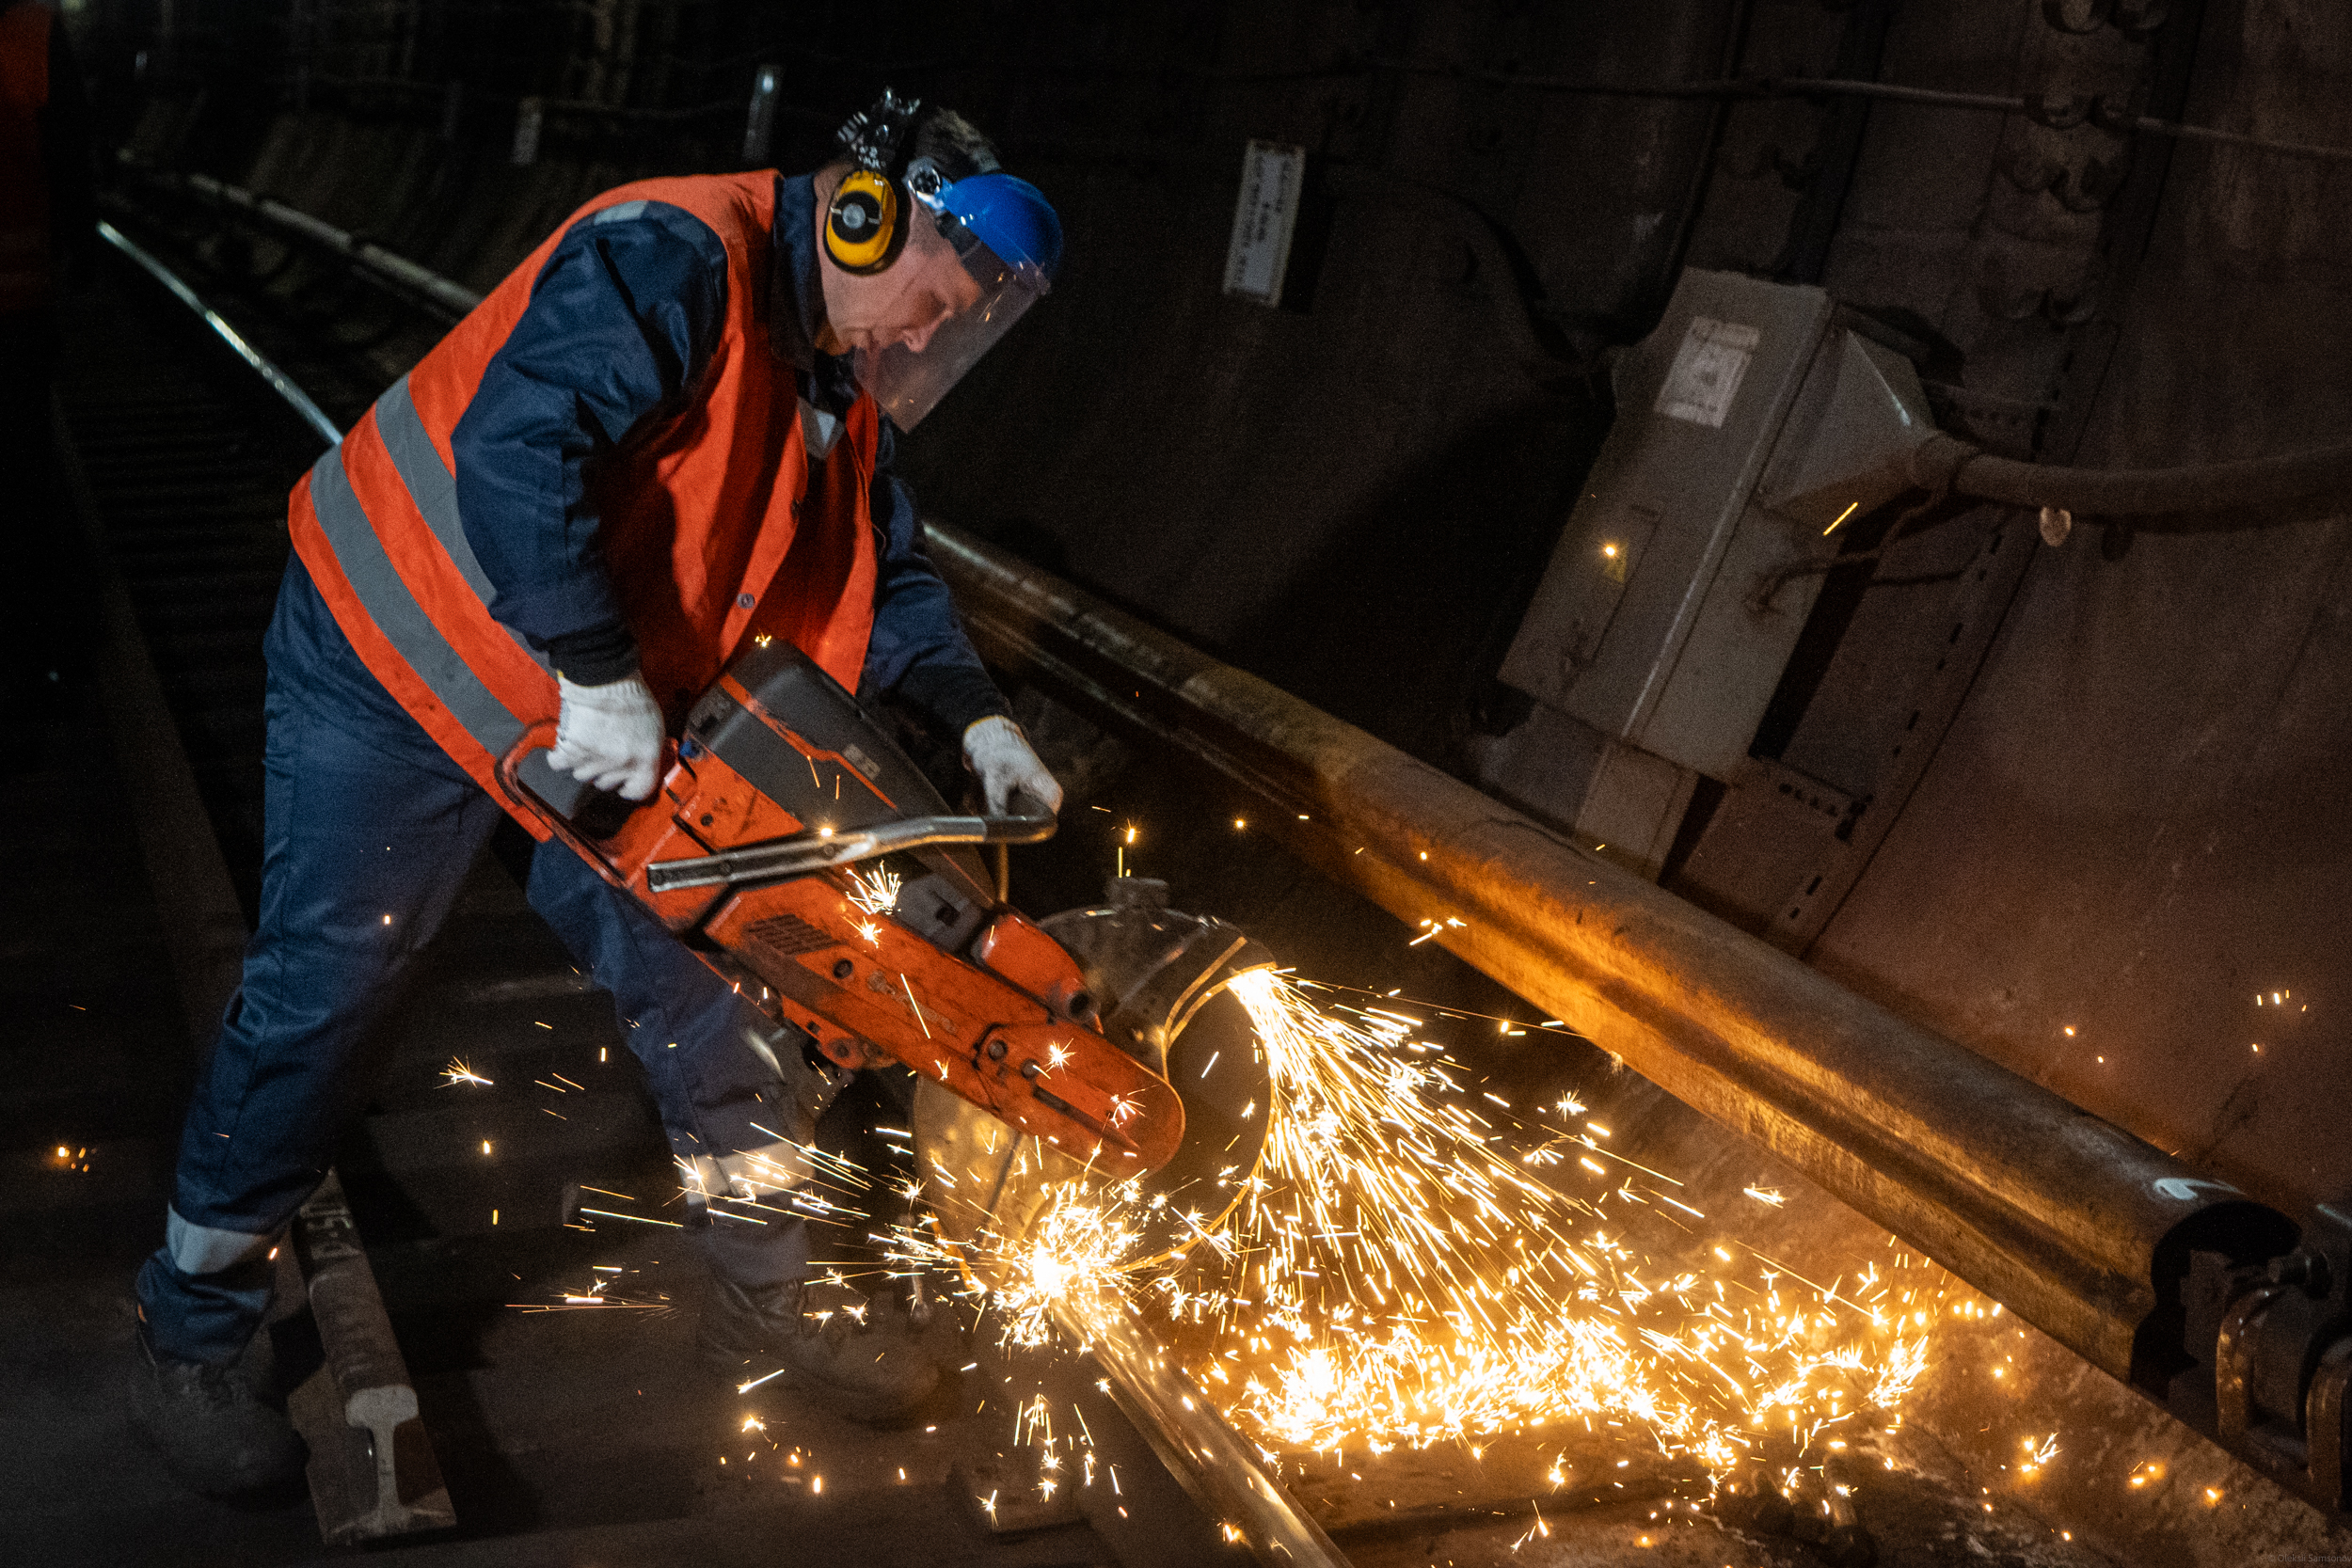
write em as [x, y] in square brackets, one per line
[863, 230]
[865, 225]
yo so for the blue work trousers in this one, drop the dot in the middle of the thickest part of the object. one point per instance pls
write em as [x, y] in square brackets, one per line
[368, 830]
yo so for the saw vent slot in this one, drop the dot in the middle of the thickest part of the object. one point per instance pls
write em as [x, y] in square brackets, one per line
[787, 936]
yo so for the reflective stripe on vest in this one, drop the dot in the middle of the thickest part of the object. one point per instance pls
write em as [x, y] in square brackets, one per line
[704, 532]
[433, 488]
[398, 616]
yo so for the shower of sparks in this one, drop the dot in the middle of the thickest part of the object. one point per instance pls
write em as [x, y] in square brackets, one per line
[874, 891]
[458, 1072]
[1082, 1242]
[1397, 1274]
[603, 1295]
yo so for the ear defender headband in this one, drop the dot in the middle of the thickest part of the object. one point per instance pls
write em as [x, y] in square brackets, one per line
[865, 226]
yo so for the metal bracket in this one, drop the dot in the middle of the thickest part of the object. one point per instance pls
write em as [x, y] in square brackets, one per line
[1993, 578]
[2283, 1366]
[2234, 1352]
[373, 1472]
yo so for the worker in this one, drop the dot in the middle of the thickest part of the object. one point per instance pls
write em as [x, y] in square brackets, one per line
[668, 433]
[47, 227]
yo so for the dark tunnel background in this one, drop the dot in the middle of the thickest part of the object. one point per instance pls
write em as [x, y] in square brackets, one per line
[2091, 796]
[2132, 824]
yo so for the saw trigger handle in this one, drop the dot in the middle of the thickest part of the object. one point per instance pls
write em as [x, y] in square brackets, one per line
[1029, 821]
[539, 736]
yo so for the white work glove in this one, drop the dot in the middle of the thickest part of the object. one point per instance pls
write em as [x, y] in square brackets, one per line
[610, 736]
[998, 752]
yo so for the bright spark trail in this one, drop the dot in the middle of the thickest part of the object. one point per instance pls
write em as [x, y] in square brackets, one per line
[1397, 1274]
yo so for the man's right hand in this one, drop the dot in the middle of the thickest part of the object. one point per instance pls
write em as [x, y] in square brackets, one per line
[610, 736]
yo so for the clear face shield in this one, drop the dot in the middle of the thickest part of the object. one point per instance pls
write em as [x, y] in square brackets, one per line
[990, 294]
[908, 382]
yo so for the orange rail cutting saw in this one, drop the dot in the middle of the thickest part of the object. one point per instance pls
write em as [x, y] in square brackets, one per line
[808, 861]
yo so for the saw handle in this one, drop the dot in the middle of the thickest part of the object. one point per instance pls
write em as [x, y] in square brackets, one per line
[539, 736]
[1028, 810]
[777, 859]
[1030, 821]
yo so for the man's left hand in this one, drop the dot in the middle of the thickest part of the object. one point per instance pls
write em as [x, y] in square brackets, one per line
[996, 751]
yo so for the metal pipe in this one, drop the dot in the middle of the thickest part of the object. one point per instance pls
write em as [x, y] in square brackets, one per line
[2073, 1223]
[802, 853]
[1945, 462]
[426, 287]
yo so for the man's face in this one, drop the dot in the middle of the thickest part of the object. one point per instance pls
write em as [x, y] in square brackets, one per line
[904, 304]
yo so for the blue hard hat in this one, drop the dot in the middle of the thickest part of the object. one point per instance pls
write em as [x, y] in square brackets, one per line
[1012, 218]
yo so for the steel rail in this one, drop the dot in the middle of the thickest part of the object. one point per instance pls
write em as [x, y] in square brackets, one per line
[280, 382]
[1208, 1458]
[2074, 1223]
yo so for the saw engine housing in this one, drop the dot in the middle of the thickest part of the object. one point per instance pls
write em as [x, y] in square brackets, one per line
[798, 851]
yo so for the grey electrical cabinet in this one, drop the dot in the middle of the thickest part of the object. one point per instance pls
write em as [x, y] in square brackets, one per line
[1750, 428]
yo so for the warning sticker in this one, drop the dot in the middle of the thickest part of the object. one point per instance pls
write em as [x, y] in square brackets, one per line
[1707, 369]
[1263, 218]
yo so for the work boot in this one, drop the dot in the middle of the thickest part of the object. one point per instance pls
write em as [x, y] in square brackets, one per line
[211, 1429]
[854, 1354]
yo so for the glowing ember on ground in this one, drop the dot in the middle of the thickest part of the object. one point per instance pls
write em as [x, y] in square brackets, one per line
[1397, 1275]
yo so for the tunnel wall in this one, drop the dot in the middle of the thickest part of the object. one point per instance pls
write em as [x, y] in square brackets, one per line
[2131, 827]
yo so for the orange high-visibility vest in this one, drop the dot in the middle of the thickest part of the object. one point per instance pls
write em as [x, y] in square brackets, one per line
[713, 531]
[23, 186]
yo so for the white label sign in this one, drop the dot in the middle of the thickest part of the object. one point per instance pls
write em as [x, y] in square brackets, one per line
[1264, 217]
[1707, 372]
